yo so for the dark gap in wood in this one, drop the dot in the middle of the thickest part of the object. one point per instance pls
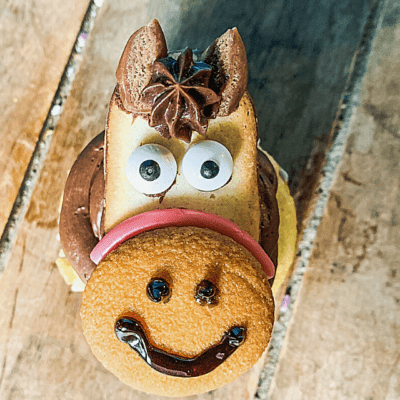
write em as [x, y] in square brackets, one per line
[305, 188]
[334, 145]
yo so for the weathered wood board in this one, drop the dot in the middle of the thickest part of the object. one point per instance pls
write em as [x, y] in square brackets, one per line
[299, 55]
[344, 339]
[36, 39]
[43, 354]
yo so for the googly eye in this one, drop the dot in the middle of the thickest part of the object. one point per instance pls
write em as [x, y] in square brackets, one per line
[151, 169]
[207, 165]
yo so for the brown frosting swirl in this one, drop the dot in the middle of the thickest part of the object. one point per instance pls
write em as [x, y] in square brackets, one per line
[178, 95]
[83, 203]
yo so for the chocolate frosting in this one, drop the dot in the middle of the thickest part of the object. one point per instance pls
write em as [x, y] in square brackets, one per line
[83, 202]
[97, 202]
[77, 230]
[178, 96]
[129, 330]
[269, 225]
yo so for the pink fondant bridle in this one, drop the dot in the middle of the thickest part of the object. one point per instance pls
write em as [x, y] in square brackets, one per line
[176, 217]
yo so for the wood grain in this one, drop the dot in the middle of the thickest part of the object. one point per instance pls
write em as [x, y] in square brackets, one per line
[36, 39]
[344, 340]
[43, 354]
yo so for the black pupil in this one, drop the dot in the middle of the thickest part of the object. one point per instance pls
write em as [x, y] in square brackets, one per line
[157, 290]
[209, 169]
[149, 170]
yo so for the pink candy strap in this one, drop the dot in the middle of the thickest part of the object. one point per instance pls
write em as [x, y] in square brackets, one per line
[157, 219]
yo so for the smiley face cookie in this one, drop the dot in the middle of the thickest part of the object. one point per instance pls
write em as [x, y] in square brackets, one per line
[178, 311]
[171, 221]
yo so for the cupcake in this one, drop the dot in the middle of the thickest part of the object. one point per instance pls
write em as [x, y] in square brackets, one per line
[175, 225]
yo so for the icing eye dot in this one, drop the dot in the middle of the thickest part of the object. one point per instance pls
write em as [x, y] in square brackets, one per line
[209, 169]
[158, 290]
[207, 165]
[236, 336]
[206, 293]
[151, 169]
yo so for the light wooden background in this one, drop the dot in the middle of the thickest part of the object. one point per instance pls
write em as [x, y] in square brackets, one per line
[343, 336]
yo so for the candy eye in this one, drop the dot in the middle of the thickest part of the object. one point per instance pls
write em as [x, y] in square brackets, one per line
[158, 290]
[206, 293]
[151, 169]
[207, 165]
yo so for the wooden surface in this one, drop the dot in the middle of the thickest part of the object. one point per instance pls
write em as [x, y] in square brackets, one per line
[36, 39]
[299, 58]
[344, 340]
[299, 55]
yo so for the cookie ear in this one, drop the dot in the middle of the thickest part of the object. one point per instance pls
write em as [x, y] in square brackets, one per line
[134, 70]
[227, 56]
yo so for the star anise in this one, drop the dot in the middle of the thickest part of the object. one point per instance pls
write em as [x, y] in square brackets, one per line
[178, 96]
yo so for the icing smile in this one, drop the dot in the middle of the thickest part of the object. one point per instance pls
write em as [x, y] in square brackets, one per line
[130, 331]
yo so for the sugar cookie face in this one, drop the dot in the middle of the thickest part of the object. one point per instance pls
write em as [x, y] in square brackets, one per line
[183, 323]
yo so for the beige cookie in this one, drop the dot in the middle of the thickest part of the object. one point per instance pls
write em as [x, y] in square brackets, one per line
[182, 324]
